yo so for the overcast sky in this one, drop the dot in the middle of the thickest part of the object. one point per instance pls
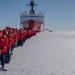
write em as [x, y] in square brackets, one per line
[59, 14]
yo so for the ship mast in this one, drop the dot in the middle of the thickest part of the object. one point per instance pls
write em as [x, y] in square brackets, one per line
[32, 4]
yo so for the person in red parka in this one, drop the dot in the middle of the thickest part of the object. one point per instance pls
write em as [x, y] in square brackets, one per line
[20, 38]
[8, 53]
[3, 47]
[24, 35]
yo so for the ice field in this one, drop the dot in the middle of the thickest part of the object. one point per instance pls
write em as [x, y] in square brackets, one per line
[44, 54]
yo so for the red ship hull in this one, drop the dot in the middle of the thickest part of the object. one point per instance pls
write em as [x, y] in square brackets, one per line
[32, 25]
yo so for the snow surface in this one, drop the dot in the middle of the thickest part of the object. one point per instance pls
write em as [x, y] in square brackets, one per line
[44, 54]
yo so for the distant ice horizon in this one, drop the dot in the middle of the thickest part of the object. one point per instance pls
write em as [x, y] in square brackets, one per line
[54, 30]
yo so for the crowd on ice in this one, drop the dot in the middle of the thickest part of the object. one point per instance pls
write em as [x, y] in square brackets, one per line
[11, 38]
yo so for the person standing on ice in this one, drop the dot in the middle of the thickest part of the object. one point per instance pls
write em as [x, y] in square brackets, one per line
[3, 47]
[20, 38]
[24, 36]
[9, 46]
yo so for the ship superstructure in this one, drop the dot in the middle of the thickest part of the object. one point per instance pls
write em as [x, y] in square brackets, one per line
[31, 20]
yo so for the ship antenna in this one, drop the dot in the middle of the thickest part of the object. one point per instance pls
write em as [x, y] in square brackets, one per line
[32, 4]
[44, 15]
[19, 11]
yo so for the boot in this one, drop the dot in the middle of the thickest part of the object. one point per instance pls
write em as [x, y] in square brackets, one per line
[2, 66]
[6, 61]
[11, 53]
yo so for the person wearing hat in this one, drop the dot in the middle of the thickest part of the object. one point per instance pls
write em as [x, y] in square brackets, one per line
[3, 47]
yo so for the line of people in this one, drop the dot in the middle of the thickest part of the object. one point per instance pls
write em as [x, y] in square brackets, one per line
[11, 38]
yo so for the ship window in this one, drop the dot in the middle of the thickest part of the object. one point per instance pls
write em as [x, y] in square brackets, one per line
[32, 16]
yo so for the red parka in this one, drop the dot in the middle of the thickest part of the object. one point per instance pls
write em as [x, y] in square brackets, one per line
[20, 35]
[3, 44]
